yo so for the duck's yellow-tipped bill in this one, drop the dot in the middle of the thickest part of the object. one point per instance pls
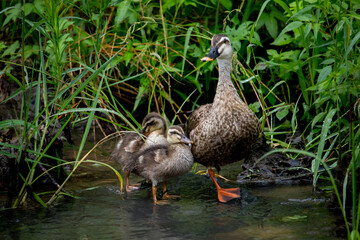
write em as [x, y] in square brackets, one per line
[206, 59]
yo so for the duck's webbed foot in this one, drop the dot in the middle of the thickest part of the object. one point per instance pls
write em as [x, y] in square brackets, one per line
[224, 194]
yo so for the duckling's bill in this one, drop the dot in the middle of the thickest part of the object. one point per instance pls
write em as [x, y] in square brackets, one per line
[185, 140]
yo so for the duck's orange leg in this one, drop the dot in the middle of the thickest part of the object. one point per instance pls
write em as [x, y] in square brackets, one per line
[224, 194]
[129, 187]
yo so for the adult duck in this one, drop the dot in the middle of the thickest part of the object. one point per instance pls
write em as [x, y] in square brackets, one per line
[154, 132]
[159, 163]
[226, 130]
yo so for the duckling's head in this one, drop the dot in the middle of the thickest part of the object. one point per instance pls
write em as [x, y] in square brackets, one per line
[177, 135]
[153, 122]
[220, 48]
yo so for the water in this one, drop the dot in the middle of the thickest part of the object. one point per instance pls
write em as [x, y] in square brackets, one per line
[286, 212]
[103, 212]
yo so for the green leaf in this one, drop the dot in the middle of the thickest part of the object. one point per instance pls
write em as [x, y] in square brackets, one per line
[282, 40]
[12, 49]
[11, 123]
[292, 26]
[227, 4]
[121, 12]
[2, 46]
[38, 199]
[328, 61]
[195, 51]
[317, 118]
[29, 50]
[255, 107]
[12, 13]
[325, 72]
[282, 113]
[186, 46]
[300, 14]
[323, 136]
[39, 6]
[143, 89]
[284, 6]
[351, 46]
[127, 57]
[307, 30]
[28, 8]
[64, 24]
[271, 25]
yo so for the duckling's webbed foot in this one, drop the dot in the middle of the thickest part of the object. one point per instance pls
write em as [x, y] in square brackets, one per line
[129, 187]
[168, 196]
[157, 202]
[161, 202]
[133, 187]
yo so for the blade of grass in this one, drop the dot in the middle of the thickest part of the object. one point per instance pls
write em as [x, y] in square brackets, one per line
[186, 46]
[323, 136]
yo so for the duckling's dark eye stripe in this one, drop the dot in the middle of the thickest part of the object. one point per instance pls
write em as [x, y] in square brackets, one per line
[151, 122]
[174, 132]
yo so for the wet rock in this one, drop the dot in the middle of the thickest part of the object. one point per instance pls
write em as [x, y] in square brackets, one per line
[275, 168]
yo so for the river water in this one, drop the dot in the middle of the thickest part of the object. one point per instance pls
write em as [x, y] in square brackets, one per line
[101, 211]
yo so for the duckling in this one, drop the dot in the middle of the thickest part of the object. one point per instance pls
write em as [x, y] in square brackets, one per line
[154, 129]
[159, 163]
[226, 130]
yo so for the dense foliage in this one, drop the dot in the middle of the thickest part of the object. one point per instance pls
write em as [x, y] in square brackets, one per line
[296, 64]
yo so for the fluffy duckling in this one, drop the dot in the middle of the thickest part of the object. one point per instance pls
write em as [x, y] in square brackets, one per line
[159, 163]
[154, 130]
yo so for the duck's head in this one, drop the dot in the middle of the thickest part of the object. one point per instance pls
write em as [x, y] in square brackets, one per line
[220, 48]
[153, 122]
[177, 135]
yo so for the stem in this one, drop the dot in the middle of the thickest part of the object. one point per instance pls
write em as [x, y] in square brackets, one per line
[351, 145]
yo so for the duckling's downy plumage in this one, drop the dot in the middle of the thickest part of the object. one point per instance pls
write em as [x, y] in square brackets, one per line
[226, 130]
[159, 163]
[154, 132]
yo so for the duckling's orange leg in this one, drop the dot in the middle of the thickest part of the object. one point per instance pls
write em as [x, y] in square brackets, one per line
[166, 195]
[129, 187]
[224, 194]
[157, 202]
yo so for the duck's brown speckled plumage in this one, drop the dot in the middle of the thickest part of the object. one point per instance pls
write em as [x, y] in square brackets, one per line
[224, 131]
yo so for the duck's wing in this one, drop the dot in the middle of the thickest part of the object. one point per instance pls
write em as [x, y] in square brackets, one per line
[196, 117]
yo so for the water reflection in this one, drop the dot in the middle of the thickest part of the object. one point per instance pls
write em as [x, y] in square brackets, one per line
[105, 213]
